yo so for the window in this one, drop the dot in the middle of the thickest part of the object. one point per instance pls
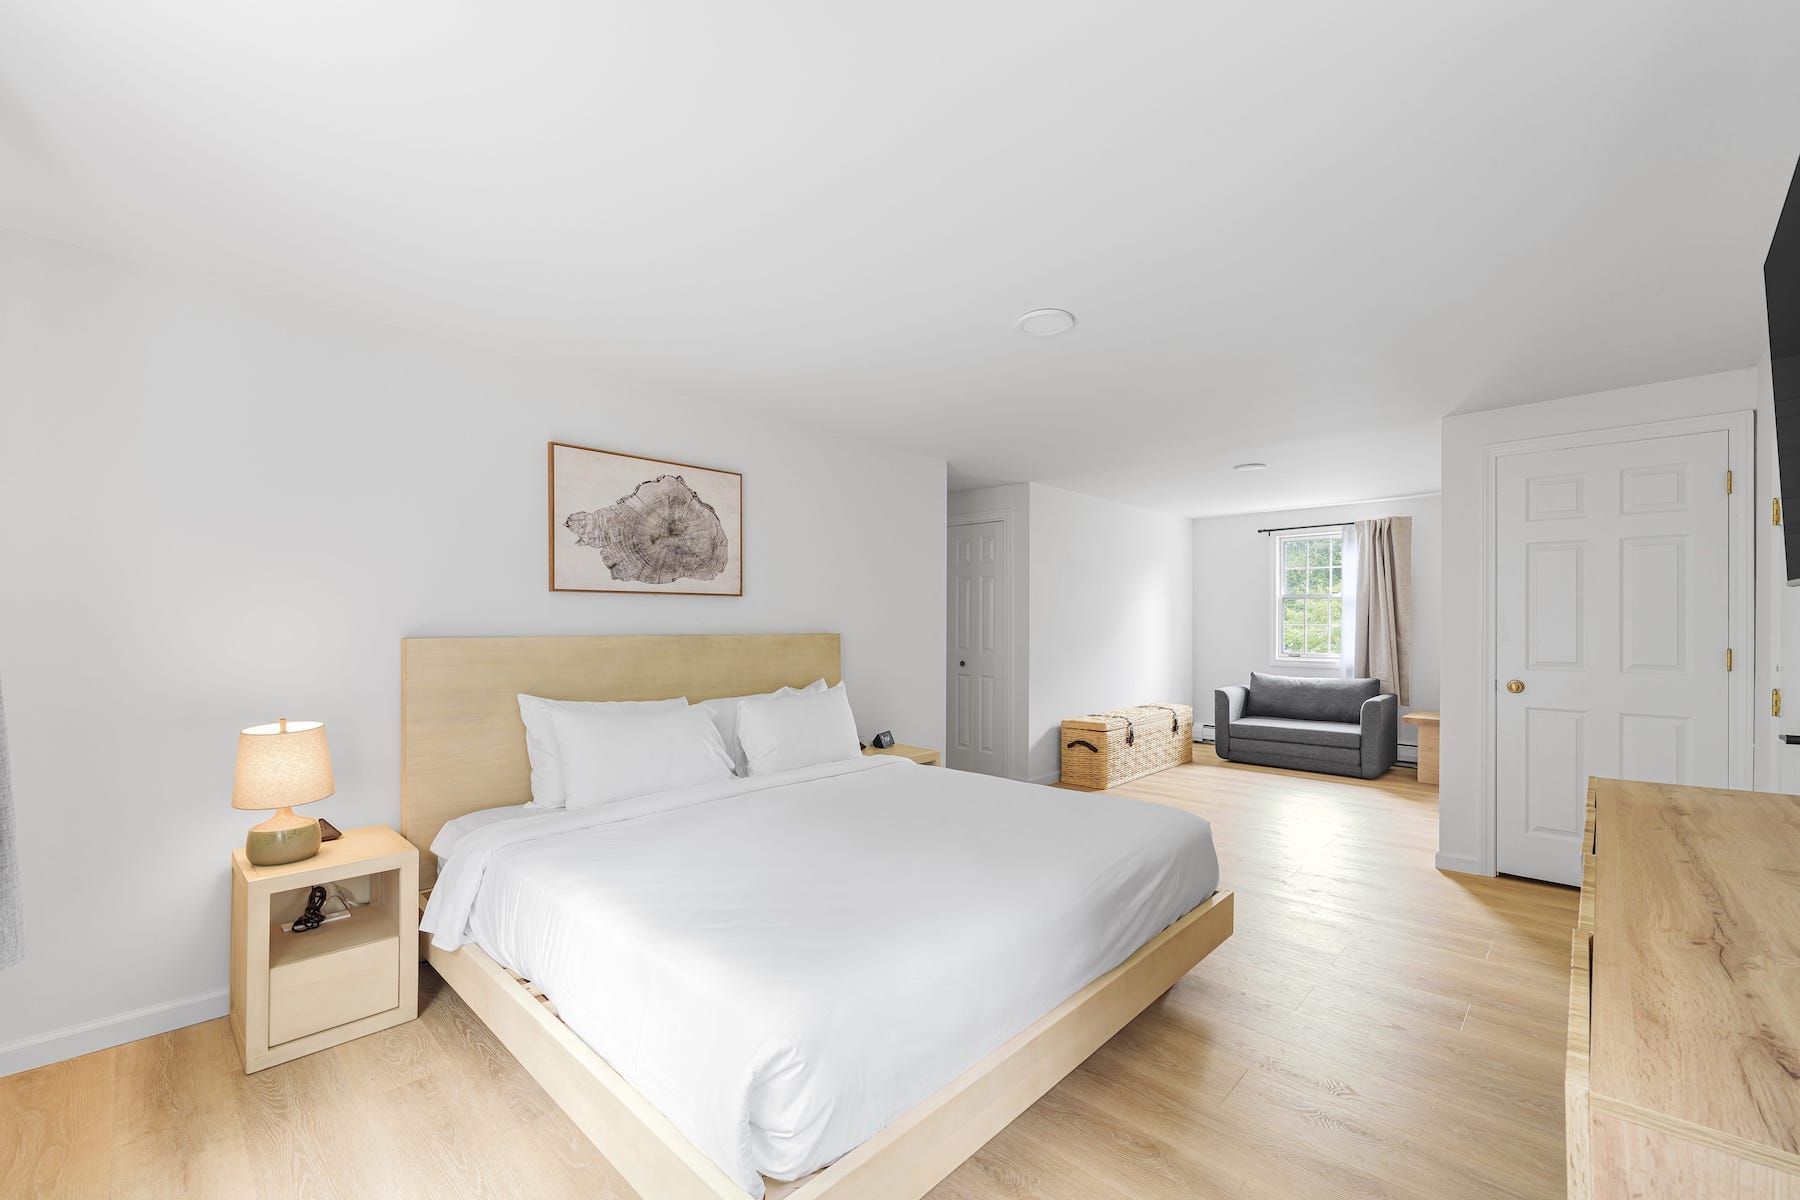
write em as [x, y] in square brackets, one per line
[1309, 585]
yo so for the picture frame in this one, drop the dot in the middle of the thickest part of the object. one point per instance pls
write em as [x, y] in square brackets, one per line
[643, 526]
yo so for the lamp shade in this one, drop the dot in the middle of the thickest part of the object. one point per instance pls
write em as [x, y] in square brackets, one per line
[281, 765]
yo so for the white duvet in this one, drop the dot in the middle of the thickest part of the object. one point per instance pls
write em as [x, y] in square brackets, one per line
[785, 964]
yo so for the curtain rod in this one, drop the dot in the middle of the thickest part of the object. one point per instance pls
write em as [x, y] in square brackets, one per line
[1289, 528]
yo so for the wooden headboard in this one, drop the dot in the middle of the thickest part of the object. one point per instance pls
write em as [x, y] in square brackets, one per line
[462, 745]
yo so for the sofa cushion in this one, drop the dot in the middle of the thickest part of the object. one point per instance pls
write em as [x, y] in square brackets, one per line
[1306, 733]
[1307, 699]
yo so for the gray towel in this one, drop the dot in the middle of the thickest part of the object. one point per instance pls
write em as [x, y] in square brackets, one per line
[12, 908]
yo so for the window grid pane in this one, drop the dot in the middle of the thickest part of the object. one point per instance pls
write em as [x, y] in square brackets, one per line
[1309, 615]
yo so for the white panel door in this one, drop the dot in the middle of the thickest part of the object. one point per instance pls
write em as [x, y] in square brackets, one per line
[1611, 620]
[979, 697]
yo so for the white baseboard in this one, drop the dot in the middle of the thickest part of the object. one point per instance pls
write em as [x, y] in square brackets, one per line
[1460, 864]
[72, 1041]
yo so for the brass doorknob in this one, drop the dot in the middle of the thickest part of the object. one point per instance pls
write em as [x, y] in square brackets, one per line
[1515, 686]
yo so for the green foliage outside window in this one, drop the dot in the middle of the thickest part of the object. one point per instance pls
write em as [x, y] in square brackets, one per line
[1312, 587]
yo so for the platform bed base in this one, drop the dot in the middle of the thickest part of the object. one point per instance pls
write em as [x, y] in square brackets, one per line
[903, 1161]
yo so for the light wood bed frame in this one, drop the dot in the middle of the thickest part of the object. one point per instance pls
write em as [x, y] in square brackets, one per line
[463, 749]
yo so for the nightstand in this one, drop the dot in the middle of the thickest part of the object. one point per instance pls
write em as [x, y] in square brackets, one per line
[294, 993]
[919, 754]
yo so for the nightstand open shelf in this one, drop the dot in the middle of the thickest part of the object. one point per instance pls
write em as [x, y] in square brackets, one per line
[377, 922]
[294, 993]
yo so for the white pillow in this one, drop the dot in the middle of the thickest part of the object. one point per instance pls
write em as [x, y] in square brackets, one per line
[540, 738]
[724, 716]
[781, 733]
[608, 756]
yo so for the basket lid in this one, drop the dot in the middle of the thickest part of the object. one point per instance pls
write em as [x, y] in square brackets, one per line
[1140, 715]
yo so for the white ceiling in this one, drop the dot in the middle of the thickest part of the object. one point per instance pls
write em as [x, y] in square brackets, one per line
[1296, 232]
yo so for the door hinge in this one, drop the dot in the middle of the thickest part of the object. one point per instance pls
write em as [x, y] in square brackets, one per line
[1728, 660]
[1728, 483]
[1775, 703]
[1775, 511]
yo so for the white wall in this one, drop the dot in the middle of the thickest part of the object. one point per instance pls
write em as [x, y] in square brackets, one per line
[1234, 597]
[1111, 613]
[1777, 609]
[1774, 605]
[217, 508]
[1463, 843]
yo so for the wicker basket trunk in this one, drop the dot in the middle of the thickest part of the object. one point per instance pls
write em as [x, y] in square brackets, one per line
[1103, 750]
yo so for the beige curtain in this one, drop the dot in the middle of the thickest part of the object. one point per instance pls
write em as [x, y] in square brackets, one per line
[1382, 609]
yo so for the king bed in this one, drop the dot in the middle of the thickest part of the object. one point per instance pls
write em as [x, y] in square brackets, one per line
[831, 981]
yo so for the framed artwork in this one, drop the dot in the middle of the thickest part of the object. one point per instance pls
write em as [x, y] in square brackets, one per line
[619, 523]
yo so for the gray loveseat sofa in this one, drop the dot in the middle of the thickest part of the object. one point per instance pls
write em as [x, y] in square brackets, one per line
[1341, 726]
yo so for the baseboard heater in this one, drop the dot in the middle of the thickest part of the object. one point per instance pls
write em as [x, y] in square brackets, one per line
[1203, 736]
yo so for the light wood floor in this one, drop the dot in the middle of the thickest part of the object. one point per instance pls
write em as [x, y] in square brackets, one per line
[1375, 1028]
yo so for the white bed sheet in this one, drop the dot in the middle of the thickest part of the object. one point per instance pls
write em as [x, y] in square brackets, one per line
[453, 832]
[785, 964]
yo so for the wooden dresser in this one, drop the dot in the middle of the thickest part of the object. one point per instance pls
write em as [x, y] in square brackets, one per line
[1683, 1074]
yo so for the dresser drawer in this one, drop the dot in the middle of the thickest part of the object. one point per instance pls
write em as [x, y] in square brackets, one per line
[323, 992]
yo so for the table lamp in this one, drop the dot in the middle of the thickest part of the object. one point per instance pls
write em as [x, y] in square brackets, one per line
[279, 766]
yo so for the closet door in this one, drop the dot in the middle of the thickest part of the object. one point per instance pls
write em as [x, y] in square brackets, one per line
[980, 698]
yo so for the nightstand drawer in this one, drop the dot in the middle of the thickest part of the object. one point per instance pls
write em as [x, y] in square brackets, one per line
[322, 992]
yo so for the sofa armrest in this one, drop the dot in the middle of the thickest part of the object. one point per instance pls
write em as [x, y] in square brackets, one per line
[1228, 706]
[1380, 734]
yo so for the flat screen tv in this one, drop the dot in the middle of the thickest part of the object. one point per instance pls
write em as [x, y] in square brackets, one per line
[1781, 284]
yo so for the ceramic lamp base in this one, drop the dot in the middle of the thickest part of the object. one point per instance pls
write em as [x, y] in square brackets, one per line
[283, 838]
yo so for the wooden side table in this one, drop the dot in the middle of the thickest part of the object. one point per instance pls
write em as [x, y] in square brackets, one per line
[1427, 723]
[919, 754]
[294, 993]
